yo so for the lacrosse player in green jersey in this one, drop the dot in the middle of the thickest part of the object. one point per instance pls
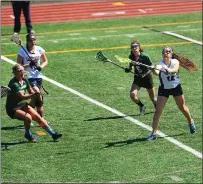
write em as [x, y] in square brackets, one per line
[18, 108]
[142, 75]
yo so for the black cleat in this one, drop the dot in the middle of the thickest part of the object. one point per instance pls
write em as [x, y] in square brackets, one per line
[56, 136]
[192, 128]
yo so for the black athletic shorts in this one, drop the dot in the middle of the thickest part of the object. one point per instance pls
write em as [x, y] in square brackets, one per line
[177, 91]
[12, 109]
[145, 82]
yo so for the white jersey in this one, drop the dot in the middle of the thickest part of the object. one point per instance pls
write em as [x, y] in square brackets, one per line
[35, 56]
[171, 80]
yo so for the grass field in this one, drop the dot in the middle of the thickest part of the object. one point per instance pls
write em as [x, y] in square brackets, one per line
[103, 143]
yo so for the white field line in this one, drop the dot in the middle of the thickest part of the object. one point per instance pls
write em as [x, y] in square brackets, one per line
[170, 139]
[182, 37]
[95, 37]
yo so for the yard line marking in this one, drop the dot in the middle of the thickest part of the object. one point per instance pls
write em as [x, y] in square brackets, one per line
[164, 175]
[80, 37]
[176, 178]
[170, 139]
[182, 37]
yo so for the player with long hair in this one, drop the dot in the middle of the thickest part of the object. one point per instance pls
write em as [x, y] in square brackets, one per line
[170, 86]
[142, 75]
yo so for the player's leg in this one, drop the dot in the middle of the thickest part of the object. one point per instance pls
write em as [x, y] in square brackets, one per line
[134, 97]
[37, 101]
[180, 101]
[27, 118]
[17, 12]
[42, 122]
[161, 102]
[152, 95]
[26, 12]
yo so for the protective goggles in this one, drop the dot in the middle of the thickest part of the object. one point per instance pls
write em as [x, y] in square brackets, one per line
[134, 45]
[167, 50]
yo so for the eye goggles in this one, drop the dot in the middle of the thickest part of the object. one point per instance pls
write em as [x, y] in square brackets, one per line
[133, 46]
[19, 70]
[167, 50]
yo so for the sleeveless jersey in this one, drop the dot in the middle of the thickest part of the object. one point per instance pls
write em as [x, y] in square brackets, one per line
[171, 80]
[35, 56]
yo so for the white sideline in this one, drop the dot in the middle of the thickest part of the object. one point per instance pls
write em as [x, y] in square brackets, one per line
[170, 139]
[182, 37]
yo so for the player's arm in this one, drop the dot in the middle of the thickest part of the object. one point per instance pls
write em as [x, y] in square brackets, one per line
[24, 96]
[171, 70]
[44, 60]
[20, 61]
[127, 70]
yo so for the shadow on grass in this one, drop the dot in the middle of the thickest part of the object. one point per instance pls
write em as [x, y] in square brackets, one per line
[132, 141]
[115, 117]
[5, 145]
[13, 127]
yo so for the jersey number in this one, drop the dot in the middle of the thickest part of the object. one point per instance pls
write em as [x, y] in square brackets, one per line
[171, 78]
[139, 69]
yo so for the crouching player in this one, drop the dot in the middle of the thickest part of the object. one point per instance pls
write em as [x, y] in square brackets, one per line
[18, 108]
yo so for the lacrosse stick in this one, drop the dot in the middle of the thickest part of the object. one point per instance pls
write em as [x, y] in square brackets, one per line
[43, 91]
[121, 59]
[17, 40]
[5, 90]
[157, 67]
[135, 63]
[100, 56]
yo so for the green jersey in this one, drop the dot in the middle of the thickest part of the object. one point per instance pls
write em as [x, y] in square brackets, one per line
[13, 100]
[143, 58]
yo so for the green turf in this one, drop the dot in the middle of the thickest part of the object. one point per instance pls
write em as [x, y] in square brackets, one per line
[98, 145]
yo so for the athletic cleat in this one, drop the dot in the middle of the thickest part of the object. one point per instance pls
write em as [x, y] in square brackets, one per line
[151, 137]
[30, 138]
[56, 136]
[142, 110]
[15, 35]
[192, 128]
[32, 32]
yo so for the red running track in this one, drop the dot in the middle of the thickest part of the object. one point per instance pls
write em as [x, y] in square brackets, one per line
[82, 11]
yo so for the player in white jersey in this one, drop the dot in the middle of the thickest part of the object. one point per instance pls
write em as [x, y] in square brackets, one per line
[170, 85]
[33, 59]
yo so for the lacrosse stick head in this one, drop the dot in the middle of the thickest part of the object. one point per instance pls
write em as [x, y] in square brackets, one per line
[15, 38]
[5, 90]
[100, 56]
